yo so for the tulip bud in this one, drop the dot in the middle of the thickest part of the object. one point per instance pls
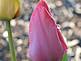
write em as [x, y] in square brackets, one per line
[8, 8]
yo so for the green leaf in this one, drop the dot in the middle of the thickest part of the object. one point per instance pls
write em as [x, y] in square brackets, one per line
[65, 57]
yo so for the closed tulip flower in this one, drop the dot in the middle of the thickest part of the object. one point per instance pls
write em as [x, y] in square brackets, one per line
[9, 9]
[46, 42]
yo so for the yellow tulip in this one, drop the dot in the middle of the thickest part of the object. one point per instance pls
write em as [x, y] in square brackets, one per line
[9, 8]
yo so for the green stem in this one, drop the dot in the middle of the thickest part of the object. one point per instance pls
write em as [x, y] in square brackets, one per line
[11, 42]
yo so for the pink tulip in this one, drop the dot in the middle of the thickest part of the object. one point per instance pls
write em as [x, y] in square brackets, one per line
[46, 40]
